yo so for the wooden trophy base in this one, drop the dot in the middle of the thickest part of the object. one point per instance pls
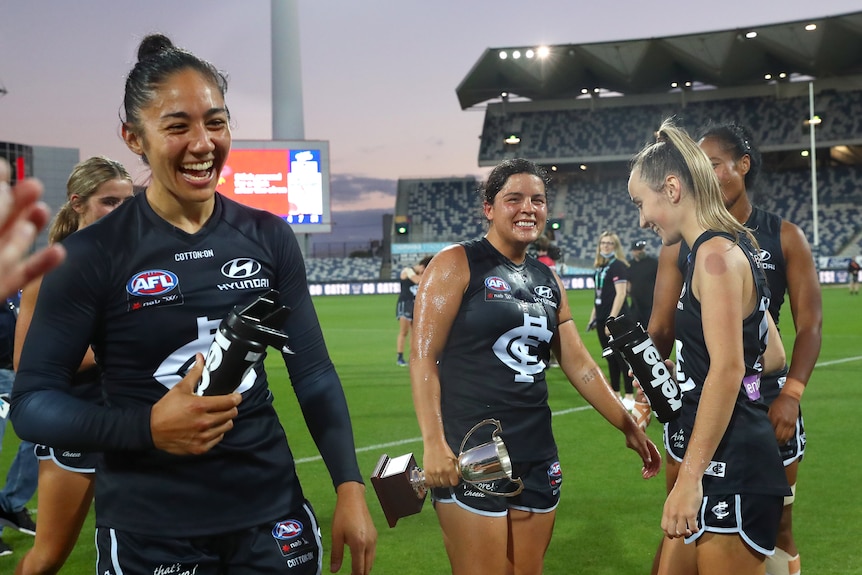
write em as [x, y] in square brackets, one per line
[391, 481]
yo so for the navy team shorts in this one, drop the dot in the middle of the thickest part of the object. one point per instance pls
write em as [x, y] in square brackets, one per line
[541, 494]
[290, 545]
[754, 517]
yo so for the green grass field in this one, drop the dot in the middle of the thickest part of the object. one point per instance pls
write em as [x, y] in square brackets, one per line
[608, 519]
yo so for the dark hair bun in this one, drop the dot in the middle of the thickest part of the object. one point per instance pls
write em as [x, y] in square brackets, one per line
[152, 45]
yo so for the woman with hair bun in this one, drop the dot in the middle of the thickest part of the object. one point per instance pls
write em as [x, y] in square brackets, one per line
[729, 491]
[189, 483]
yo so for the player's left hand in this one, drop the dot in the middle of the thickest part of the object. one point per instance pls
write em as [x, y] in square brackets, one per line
[352, 526]
[783, 414]
[637, 440]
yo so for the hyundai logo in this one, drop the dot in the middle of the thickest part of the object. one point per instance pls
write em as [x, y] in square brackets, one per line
[240, 268]
[543, 292]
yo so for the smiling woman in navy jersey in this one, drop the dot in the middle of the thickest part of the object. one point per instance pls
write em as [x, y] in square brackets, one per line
[205, 485]
[727, 497]
[487, 318]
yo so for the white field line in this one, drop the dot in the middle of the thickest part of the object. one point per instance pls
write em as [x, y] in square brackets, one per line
[555, 413]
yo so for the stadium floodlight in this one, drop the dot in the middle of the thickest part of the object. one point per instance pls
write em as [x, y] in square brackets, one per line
[503, 55]
[529, 53]
[751, 35]
[543, 51]
[516, 54]
[811, 27]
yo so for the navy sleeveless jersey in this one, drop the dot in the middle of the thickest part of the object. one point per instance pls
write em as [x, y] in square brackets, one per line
[493, 365]
[408, 291]
[147, 297]
[766, 228]
[747, 458]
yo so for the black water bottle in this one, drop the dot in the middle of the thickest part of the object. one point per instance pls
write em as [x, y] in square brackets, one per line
[630, 341]
[241, 342]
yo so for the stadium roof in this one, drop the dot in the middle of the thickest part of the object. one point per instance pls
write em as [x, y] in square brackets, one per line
[818, 47]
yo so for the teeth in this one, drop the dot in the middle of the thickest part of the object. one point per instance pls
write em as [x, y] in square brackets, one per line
[525, 224]
[198, 166]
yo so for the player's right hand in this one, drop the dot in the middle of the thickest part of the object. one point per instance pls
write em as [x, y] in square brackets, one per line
[183, 423]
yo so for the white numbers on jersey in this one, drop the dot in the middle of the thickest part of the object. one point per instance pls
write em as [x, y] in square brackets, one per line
[516, 348]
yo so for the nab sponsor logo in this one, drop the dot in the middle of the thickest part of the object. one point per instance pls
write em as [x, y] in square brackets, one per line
[152, 283]
[543, 292]
[241, 268]
[495, 283]
[287, 529]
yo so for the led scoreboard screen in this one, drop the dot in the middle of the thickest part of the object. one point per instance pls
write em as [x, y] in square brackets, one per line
[287, 178]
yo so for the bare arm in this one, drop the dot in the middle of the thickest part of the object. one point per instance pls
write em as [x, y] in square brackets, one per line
[434, 312]
[723, 284]
[806, 306]
[668, 284]
[585, 376]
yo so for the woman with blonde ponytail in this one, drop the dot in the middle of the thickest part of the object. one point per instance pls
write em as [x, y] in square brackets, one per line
[95, 188]
[726, 498]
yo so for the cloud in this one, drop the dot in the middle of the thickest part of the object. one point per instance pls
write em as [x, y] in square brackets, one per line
[359, 193]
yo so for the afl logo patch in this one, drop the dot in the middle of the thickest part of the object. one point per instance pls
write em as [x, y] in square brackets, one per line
[240, 268]
[152, 283]
[495, 283]
[543, 292]
[289, 529]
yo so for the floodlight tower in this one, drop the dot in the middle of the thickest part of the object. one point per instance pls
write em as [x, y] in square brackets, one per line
[287, 113]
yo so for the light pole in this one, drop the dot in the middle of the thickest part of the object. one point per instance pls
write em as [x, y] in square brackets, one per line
[812, 122]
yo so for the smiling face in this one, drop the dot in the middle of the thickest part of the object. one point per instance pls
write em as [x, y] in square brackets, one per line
[730, 171]
[520, 209]
[102, 202]
[655, 208]
[184, 135]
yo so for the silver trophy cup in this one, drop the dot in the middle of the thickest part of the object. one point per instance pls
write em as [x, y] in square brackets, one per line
[400, 483]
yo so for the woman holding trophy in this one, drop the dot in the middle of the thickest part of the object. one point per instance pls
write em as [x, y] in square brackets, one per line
[486, 320]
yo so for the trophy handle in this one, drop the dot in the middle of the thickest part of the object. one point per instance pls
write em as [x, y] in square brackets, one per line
[484, 422]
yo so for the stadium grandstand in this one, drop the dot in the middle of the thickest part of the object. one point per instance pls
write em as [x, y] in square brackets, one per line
[583, 111]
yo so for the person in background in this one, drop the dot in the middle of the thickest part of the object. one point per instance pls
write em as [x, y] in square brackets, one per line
[642, 272]
[95, 188]
[22, 476]
[543, 249]
[409, 277]
[853, 269]
[487, 319]
[611, 281]
[22, 216]
[191, 483]
[789, 266]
